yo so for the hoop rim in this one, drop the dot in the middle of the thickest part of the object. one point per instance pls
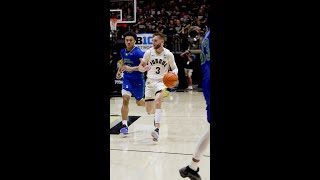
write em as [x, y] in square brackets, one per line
[114, 20]
[114, 23]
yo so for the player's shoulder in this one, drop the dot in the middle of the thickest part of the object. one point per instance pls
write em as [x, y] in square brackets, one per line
[136, 48]
[138, 52]
[122, 50]
[168, 52]
[149, 50]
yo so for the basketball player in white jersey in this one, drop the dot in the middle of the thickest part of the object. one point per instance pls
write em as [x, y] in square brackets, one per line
[157, 61]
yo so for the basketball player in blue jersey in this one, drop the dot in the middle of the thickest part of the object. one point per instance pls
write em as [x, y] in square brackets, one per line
[133, 79]
[192, 169]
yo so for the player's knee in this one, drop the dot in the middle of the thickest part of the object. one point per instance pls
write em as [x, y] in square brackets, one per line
[125, 100]
[140, 103]
[151, 111]
[158, 102]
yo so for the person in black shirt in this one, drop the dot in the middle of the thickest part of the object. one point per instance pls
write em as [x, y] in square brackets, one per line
[170, 31]
[188, 59]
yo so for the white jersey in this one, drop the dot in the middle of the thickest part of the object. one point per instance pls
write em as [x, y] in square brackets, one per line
[160, 63]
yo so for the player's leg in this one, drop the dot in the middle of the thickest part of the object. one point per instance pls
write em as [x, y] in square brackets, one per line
[186, 74]
[158, 111]
[190, 79]
[149, 104]
[149, 97]
[138, 92]
[126, 95]
[192, 169]
[200, 148]
[158, 103]
[140, 102]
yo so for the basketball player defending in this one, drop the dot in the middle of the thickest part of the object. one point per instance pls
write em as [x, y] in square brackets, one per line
[156, 61]
[192, 169]
[133, 80]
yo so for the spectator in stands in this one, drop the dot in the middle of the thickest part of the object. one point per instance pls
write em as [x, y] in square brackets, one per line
[178, 26]
[160, 28]
[141, 26]
[149, 29]
[160, 15]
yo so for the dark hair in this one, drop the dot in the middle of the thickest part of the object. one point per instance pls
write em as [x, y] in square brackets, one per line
[159, 34]
[130, 33]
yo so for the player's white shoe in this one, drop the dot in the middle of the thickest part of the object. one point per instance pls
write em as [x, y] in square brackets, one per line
[155, 134]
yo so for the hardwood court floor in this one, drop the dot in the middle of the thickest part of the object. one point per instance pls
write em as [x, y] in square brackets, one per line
[137, 157]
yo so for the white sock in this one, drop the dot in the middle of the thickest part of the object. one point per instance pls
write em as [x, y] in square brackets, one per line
[157, 115]
[200, 148]
[194, 165]
[125, 122]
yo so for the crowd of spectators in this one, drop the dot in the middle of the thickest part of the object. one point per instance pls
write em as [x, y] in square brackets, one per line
[182, 20]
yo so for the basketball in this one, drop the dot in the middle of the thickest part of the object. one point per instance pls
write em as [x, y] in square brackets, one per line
[170, 79]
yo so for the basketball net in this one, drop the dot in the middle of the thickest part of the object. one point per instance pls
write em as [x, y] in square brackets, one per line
[113, 24]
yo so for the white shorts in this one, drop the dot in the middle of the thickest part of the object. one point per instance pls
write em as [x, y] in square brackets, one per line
[188, 72]
[152, 87]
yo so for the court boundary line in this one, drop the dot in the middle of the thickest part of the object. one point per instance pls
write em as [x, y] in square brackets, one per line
[167, 116]
[114, 149]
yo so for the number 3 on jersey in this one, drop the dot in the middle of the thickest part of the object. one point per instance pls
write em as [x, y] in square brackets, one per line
[158, 70]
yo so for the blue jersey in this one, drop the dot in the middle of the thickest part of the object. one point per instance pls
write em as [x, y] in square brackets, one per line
[131, 58]
[205, 65]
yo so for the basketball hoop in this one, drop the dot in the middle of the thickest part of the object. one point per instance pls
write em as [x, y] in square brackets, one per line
[113, 24]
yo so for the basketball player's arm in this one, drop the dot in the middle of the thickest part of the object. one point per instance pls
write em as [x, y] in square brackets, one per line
[134, 68]
[129, 68]
[173, 64]
[143, 67]
[120, 70]
[121, 66]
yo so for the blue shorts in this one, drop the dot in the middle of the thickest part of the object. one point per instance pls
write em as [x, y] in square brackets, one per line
[135, 86]
[206, 93]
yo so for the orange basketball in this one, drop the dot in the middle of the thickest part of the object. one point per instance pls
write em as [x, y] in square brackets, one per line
[170, 79]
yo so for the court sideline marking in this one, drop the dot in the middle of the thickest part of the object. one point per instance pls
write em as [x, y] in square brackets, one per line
[112, 149]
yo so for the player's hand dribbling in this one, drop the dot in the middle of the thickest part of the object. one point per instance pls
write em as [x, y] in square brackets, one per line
[173, 72]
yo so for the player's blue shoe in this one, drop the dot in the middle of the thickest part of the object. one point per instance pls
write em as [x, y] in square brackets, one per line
[124, 129]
